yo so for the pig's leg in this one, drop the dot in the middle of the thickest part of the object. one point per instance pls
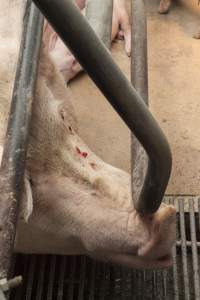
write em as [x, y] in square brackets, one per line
[121, 27]
[164, 6]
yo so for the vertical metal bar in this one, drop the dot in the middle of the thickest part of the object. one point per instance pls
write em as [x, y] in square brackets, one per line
[139, 79]
[104, 282]
[13, 162]
[40, 282]
[70, 294]
[99, 16]
[31, 272]
[175, 269]
[199, 212]
[77, 34]
[20, 291]
[184, 250]
[175, 273]
[2, 296]
[194, 250]
[61, 278]
[51, 282]
[92, 281]
[82, 278]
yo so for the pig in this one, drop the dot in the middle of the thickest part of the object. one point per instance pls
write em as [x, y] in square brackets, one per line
[74, 202]
[62, 57]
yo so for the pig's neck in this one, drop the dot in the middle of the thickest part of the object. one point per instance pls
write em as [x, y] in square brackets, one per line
[55, 146]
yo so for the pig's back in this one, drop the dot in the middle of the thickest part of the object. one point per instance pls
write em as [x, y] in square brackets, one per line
[11, 20]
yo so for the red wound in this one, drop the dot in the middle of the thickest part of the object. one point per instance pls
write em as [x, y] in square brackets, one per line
[83, 154]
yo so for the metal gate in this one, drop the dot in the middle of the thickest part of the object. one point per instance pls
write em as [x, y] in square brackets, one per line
[58, 277]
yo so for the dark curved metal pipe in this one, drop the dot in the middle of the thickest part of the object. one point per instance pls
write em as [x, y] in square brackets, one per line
[77, 34]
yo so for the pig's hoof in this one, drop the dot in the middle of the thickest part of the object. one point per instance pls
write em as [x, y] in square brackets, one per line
[164, 7]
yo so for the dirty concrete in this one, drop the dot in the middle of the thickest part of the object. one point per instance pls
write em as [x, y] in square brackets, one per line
[174, 71]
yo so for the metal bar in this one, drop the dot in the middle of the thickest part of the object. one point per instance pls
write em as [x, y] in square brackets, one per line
[82, 280]
[61, 280]
[99, 16]
[13, 162]
[184, 250]
[194, 250]
[103, 282]
[51, 281]
[77, 34]
[188, 244]
[2, 296]
[174, 258]
[140, 165]
[139, 79]
[40, 283]
[70, 294]
[30, 280]
[92, 281]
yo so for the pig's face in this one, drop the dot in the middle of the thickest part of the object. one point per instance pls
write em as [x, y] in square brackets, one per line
[82, 205]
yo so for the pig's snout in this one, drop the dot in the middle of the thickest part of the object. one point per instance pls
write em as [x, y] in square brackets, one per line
[162, 234]
[134, 241]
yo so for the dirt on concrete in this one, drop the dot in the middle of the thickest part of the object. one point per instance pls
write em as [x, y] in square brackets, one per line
[174, 88]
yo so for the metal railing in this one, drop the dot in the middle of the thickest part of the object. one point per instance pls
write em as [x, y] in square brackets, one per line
[14, 154]
[97, 61]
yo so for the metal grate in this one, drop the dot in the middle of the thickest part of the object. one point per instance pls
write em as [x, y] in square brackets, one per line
[77, 278]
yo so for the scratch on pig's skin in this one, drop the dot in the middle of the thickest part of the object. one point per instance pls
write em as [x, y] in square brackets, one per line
[83, 154]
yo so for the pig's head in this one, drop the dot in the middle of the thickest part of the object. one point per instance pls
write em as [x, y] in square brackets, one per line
[82, 205]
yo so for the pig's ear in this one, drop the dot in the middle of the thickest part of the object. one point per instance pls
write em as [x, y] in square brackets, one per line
[26, 204]
[162, 234]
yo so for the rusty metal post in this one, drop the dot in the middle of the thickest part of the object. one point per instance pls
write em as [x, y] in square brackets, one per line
[139, 79]
[141, 165]
[14, 155]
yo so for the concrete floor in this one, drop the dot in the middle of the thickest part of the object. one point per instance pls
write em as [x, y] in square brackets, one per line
[174, 71]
